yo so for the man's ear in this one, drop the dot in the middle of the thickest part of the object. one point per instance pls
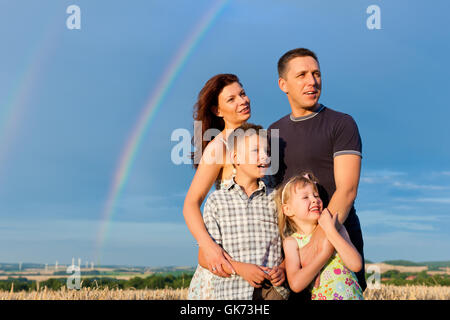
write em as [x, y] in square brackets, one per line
[282, 84]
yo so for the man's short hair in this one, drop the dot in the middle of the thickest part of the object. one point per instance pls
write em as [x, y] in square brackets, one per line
[291, 54]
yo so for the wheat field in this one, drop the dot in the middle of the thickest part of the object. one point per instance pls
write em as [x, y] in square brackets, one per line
[386, 292]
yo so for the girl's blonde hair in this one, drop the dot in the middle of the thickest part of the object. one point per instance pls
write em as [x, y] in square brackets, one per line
[285, 224]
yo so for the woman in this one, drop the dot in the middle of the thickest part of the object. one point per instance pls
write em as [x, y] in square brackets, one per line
[222, 105]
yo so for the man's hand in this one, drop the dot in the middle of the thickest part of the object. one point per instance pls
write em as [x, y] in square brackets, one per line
[251, 273]
[307, 254]
[277, 275]
[329, 222]
[318, 244]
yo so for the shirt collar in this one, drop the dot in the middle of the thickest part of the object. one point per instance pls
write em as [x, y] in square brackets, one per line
[309, 116]
[233, 184]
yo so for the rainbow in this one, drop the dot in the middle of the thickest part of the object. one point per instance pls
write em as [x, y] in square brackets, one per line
[154, 103]
[13, 109]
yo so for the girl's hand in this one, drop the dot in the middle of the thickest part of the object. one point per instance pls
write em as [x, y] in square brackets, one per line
[277, 275]
[216, 259]
[252, 274]
[328, 222]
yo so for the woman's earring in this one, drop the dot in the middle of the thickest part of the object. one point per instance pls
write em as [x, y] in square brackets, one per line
[234, 172]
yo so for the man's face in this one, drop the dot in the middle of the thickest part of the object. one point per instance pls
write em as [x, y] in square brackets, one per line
[302, 82]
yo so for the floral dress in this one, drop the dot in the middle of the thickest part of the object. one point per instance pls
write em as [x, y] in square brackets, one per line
[337, 282]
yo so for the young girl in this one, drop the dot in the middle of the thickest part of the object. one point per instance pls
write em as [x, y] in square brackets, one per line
[299, 214]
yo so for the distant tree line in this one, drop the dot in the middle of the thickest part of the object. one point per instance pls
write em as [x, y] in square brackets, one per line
[395, 277]
[156, 281]
[174, 281]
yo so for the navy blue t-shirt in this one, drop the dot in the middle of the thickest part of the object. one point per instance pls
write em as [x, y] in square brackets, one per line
[310, 143]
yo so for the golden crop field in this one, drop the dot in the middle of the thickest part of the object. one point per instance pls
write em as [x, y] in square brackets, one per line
[385, 293]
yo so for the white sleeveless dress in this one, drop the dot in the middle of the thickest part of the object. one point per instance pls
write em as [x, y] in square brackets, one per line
[201, 287]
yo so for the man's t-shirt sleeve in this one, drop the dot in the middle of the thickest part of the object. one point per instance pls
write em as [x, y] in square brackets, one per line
[211, 220]
[346, 137]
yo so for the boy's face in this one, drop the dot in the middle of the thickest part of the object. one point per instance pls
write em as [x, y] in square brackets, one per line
[250, 156]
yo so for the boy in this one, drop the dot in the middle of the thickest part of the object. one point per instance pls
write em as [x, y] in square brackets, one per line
[242, 219]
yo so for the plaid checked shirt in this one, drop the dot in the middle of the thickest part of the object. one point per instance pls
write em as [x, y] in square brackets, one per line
[246, 228]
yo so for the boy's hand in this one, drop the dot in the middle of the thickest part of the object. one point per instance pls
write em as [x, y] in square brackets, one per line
[277, 275]
[252, 274]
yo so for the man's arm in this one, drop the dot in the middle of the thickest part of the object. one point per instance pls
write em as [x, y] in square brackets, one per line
[347, 169]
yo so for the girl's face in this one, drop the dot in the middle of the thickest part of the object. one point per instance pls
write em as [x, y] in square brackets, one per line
[233, 105]
[304, 205]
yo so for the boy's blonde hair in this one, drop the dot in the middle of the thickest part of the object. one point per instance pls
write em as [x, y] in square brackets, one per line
[285, 224]
[244, 130]
[237, 136]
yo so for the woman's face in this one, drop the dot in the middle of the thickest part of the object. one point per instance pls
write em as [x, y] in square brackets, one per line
[233, 106]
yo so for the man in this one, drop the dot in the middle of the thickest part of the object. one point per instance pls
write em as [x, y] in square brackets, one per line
[318, 139]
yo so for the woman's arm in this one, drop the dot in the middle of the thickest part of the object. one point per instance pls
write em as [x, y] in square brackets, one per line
[299, 278]
[202, 182]
[341, 241]
[226, 271]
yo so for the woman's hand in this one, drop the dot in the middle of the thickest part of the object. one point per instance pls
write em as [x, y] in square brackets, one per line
[216, 260]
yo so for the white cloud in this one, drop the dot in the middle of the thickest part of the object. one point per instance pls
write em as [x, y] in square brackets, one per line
[443, 200]
[397, 179]
[414, 246]
[413, 186]
[370, 218]
[380, 176]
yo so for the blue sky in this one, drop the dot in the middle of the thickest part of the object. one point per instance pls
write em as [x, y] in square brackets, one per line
[70, 98]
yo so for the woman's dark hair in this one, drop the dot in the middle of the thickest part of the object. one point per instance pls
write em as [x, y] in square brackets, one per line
[205, 113]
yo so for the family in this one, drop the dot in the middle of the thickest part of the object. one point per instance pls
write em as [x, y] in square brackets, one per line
[292, 234]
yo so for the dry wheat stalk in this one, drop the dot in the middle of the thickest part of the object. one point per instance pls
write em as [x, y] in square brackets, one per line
[386, 292]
